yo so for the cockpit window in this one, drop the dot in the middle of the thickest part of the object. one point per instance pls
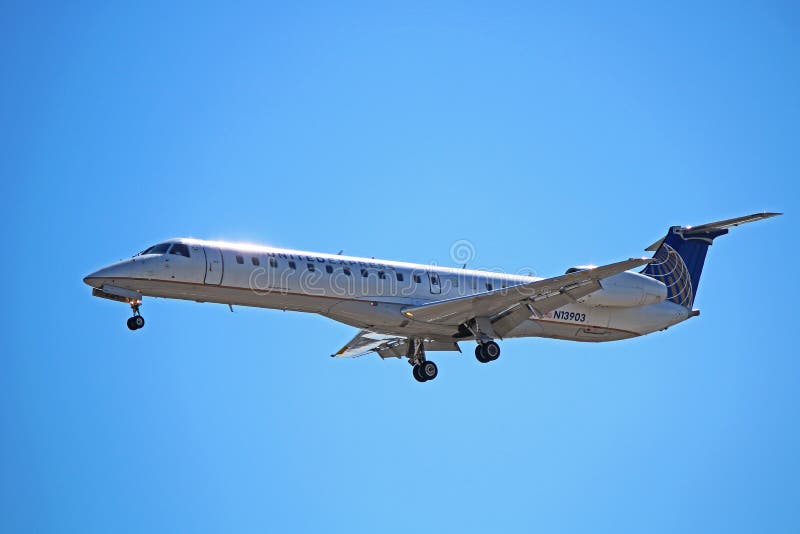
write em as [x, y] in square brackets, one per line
[180, 249]
[161, 248]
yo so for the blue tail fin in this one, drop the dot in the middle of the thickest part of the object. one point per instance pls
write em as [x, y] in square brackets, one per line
[681, 253]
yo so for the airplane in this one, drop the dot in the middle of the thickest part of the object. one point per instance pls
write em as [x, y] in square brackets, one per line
[406, 310]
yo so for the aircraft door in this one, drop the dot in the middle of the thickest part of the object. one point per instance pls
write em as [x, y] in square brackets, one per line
[214, 266]
[436, 283]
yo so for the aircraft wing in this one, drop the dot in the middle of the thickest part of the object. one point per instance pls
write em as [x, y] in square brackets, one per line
[538, 297]
[366, 342]
[387, 346]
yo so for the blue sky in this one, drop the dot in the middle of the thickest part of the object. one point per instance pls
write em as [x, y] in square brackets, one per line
[547, 136]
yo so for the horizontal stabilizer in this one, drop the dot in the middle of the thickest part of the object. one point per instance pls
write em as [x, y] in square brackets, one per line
[688, 231]
[727, 223]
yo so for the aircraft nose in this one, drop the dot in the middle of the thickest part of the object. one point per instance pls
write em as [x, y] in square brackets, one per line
[99, 277]
[94, 279]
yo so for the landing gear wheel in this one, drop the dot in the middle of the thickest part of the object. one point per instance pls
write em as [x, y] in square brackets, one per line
[491, 350]
[417, 375]
[428, 370]
[487, 352]
[135, 322]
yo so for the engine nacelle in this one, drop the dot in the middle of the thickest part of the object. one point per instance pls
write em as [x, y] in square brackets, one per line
[626, 290]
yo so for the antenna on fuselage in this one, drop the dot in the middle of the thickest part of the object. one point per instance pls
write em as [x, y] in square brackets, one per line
[340, 252]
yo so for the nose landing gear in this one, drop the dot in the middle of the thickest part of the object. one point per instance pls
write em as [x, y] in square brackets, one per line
[137, 321]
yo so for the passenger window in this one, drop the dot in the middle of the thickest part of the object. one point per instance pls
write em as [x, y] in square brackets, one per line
[399, 276]
[488, 286]
[310, 267]
[434, 279]
[255, 261]
[346, 270]
[381, 275]
[292, 264]
[273, 262]
[328, 269]
[239, 259]
[417, 278]
[364, 273]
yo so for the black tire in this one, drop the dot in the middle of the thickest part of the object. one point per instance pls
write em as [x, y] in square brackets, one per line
[417, 375]
[491, 351]
[131, 324]
[479, 354]
[138, 321]
[428, 370]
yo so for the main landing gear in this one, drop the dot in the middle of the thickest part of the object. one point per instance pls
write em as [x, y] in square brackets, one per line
[487, 351]
[423, 369]
[137, 321]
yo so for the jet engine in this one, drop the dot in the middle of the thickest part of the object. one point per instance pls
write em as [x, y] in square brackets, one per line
[626, 290]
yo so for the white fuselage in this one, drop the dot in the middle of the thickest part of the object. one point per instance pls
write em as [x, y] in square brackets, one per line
[371, 294]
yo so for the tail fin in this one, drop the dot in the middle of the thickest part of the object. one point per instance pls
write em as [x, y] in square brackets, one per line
[681, 253]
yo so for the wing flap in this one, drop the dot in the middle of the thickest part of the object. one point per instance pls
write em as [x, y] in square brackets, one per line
[554, 301]
[388, 346]
[366, 341]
